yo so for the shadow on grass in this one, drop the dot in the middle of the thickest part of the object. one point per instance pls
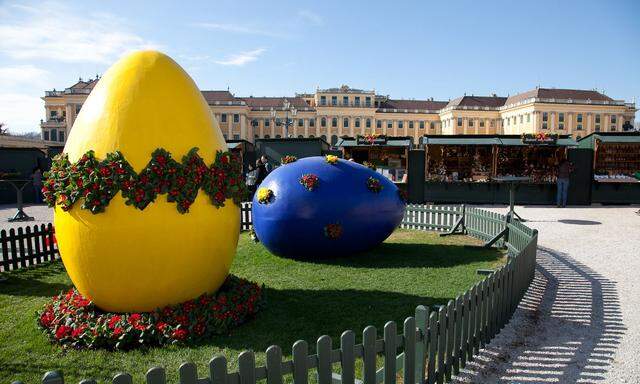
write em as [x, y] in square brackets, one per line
[33, 281]
[301, 314]
[406, 255]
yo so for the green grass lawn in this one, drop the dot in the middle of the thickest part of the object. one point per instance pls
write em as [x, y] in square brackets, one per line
[304, 300]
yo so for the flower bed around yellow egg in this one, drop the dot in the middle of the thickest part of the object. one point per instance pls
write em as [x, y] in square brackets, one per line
[97, 182]
[73, 321]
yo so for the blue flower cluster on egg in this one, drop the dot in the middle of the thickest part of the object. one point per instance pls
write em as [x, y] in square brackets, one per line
[319, 207]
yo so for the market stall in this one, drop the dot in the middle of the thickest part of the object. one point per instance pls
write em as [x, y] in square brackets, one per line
[245, 150]
[276, 149]
[459, 167]
[616, 166]
[388, 155]
[472, 168]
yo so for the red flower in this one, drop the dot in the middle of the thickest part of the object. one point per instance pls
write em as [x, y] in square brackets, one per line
[224, 159]
[161, 326]
[62, 331]
[219, 196]
[47, 318]
[188, 306]
[182, 319]
[118, 331]
[113, 321]
[104, 171]
[180, 334]
[77, 332]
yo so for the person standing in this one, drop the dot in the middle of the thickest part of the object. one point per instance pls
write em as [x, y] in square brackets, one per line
[267, 165]
[251, 178]
[562, 181]
[261, 171]
[36, 180]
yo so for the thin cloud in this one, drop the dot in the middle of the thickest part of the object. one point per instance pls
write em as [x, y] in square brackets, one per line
[22, 74]
[242, 58]
[21, 112]
[311, 17]
[236, 28]
[52, 31]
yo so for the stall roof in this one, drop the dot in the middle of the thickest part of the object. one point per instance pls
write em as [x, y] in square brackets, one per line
[235, 143]
[614, 137]
[402, 141]
[460, 140]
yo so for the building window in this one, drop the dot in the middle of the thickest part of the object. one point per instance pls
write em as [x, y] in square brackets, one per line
[613, 128]
[256, 136]
[278, 137]
[323, 100]
[254, 122]
[78, 108]
[236, 137]
[521, 119]
[225, 136]
[312, 122]
[367, 101]
[54, 135]
[561, 117]
[544, 125]
[545, 116]
[357, 101]
[579, 127]
[597, 119]
[53, 114]
[357, 123]
[491, 123]
[323, 122]
[300, 137]
[278, 122]
[579, 118]
[459, 121]
[389, 124]
[421, 125]
[266, 122]
[432, 125]
[508, 121]
[312, 136]
[334, 100]
[334, 139]
[236, 118]
[61, 137]
[411, 125]
[300, 122]
[324, 137]
[46, 135]
[597, 127]
[400, 124]
[378, 123]
[345, 100]
[267, 136]
[528, 117]
[334, 122]
[223, 118]
[345, 122]
[368, 123]
[470, 122]
[481, 123]
[613, 119]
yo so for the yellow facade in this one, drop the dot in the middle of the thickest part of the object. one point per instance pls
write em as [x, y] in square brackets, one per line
[336, 112]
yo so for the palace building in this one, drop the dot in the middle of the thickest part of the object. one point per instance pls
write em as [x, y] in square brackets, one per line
[337, 112]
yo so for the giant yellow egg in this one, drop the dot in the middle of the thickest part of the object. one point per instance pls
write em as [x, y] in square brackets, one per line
[126, 259]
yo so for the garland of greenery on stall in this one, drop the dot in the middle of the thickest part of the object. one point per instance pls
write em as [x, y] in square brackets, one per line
[97, 182]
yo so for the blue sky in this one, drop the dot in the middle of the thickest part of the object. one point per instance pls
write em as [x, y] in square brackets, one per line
[407, 49]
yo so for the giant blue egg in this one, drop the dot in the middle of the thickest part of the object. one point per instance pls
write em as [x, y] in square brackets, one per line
[350, 209]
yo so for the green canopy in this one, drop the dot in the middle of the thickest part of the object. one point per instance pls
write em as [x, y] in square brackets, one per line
[460, 140]
[512, 141]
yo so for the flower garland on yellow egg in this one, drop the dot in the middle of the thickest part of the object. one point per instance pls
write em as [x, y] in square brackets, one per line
[97, 182]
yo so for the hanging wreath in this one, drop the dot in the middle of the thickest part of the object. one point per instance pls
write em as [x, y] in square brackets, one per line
[309, 181]
[97, 182]
[288, 159]
[374, 184]
[333, 231]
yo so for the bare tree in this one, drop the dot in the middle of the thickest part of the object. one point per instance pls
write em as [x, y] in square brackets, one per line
[3, 131]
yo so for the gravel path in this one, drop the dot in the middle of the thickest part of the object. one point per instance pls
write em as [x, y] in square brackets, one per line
[580, 321]
[41, 214]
